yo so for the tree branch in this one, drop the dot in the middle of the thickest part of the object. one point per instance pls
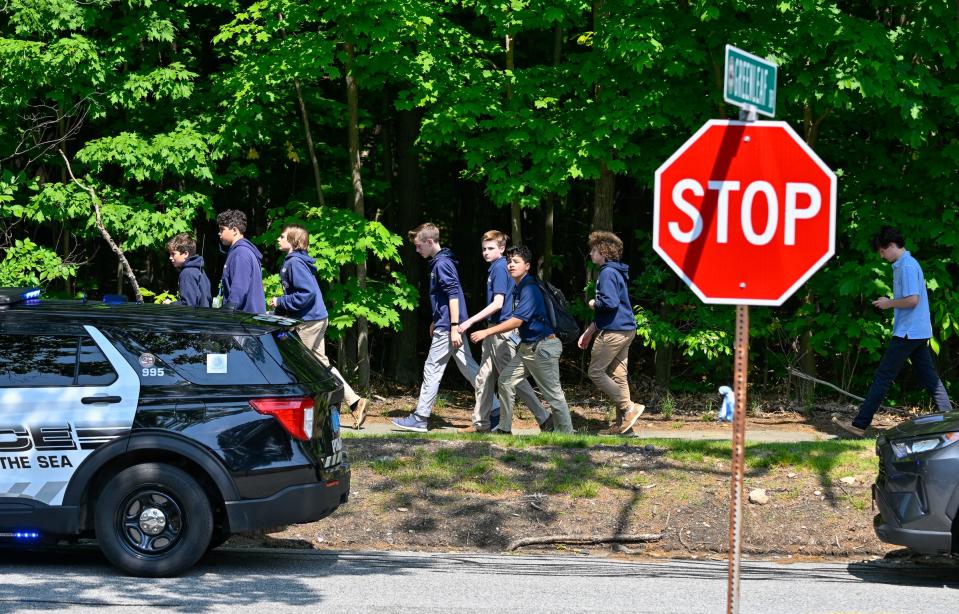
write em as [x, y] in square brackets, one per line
[585, 539]
[127, 269]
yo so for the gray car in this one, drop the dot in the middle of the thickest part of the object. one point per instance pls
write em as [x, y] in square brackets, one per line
[917, 489]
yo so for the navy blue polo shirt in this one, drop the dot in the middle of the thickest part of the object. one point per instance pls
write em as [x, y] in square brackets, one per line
[530, 307]
[499, 282]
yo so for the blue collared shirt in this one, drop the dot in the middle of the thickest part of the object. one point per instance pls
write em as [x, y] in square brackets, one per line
[907, 280]
[530, 307]
[499, 282]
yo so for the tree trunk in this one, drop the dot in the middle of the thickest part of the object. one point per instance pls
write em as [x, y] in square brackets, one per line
[353, 107]
[309, 143]
[516, 211]
[546, 271]
[603, 196]
[402, 365]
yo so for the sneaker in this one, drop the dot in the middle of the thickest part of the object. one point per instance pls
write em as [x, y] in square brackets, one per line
[359, 413]
[547, 426]
[473, 429]
[615, 429]
[631, 417]
[494, 419]
[499, 432]
[848, 429]
[411, 423]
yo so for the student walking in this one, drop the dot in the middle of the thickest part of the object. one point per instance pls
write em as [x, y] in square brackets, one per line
[303, 300]
[539, 349]
[449, 306]
[498, 349]
[616, 324]
[242, 282]
[911, 331]
[193, 282]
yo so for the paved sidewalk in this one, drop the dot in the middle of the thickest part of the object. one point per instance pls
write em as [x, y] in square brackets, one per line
[758, 436]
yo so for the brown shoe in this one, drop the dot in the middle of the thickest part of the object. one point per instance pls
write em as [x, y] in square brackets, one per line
[631, 417]
[359, 413]
[473, 429]
[848, 430]
[614, 429]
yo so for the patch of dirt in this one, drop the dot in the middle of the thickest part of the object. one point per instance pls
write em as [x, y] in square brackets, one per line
[399, 500]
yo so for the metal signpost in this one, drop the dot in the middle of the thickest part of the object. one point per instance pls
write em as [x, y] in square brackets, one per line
[744, 212]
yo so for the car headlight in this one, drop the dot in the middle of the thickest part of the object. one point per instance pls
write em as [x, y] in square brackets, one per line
[921, 445]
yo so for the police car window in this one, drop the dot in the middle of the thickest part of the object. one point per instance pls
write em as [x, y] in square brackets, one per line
[294, 361]
[37, 360]
[205, 358]
[93, 368]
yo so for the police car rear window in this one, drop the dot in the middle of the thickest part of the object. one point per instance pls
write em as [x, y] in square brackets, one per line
[30, 360]
[296, 361]
[201, 358]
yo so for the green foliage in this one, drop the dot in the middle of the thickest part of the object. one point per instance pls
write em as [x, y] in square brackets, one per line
[27, 264]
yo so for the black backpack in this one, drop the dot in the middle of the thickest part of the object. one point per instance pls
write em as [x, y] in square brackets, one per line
[564, 324]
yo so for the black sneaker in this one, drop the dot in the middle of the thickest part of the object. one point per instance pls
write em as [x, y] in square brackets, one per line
[496, 431]
[547, 426]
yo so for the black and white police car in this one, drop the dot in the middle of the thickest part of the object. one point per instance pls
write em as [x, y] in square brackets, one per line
[160, 430]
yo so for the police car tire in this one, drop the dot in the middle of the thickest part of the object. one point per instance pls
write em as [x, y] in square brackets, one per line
[193, 506]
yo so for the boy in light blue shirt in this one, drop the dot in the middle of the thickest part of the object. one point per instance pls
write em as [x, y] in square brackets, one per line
[911, 331]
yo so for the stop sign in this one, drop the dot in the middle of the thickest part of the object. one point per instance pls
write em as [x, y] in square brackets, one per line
[744, 212]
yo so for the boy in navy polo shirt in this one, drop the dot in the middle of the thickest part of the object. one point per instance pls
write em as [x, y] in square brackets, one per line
[303, 300]
[499, 349]
[539, 349]
[911, 331]
[449, 305]
[617, 328]
[193, 282]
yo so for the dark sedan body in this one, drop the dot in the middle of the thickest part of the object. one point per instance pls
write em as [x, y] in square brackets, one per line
[917, 489]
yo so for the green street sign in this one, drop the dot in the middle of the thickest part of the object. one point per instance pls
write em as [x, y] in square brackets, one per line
[750, 81]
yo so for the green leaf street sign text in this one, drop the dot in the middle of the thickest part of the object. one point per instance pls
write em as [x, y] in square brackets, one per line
[750, 81]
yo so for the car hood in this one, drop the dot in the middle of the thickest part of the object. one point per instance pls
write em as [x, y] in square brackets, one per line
[930, 424]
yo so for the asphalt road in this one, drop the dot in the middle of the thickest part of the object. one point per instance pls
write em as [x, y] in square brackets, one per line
[275, 581]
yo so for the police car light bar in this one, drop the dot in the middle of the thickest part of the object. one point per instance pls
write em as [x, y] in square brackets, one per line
[9, 296]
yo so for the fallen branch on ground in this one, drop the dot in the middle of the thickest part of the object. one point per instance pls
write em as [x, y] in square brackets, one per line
[801, 375]
[585, 540]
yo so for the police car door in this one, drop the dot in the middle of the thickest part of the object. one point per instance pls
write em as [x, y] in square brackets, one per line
[62, 395]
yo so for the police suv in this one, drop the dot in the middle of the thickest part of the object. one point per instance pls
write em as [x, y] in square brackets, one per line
[160, 429]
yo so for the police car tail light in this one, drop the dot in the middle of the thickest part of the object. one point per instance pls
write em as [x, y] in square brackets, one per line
[295, 415]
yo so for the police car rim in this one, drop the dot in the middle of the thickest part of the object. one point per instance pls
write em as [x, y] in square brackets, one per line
[151, 521]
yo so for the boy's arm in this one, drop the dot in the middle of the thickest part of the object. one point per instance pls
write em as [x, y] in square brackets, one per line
[605, 286]
[244, 268]
[502, 327]
[455, 336]
[189, 289]
[489, 310]
[299, 297]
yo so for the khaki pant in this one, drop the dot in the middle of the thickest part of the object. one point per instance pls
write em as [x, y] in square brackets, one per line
[541, 360]
[312, 334]
[607, 366]
[497, 351]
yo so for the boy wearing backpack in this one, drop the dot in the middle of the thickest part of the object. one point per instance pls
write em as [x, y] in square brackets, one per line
[617, 325]
[539, 349]
[498, 350]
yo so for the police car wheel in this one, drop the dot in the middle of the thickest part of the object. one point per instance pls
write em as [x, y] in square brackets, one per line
[153, 520]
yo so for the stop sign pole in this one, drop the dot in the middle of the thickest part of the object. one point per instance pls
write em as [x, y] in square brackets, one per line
[744, 213]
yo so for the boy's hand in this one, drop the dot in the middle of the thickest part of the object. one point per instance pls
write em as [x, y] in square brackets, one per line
[456, 338]
[465, 326]
[432, 326]
[592, 303]
[584, 339]
[882, 302]
[478, 336]
[273, 302]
